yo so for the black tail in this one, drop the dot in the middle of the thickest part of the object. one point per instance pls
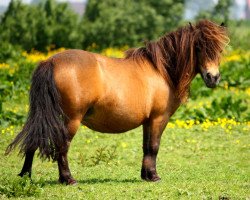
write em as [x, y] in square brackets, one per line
[44, 129]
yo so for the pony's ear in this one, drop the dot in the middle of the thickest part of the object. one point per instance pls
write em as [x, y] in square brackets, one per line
[191, 26]
[223, 24]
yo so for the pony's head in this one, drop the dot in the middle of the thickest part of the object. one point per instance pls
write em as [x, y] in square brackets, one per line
[209, 44]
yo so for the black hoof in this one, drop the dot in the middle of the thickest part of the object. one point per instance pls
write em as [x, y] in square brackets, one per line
[152, 179]
[150, 176]
[69, 181]
[21, 174]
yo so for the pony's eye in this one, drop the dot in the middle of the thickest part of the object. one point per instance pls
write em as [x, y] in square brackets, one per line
[198, 49]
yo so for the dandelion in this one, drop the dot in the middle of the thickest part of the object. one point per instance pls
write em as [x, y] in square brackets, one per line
[36, 56]
[197, 122]
[248, 91]
[237, 141]
[114, 52]
[193, 141]
[88, 141]
[124, 145]
[171, 125]
[226, 85]
[4, 66]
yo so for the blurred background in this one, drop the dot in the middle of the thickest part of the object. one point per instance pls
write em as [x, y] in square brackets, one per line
[98, 24]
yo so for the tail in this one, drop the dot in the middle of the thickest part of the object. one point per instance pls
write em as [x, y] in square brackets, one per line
[44, 129]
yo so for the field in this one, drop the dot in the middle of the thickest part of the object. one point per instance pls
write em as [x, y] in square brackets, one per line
[204, 152]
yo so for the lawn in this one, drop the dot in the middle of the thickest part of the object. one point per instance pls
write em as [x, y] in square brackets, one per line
[193, 164]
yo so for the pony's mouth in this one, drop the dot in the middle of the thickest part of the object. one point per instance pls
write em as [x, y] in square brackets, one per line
[210, 80]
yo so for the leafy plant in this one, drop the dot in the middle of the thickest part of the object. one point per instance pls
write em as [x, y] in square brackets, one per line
[20, 187]
[103, 154]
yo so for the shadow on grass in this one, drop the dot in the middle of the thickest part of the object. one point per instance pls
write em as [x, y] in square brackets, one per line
[95, 181]
[108, 180]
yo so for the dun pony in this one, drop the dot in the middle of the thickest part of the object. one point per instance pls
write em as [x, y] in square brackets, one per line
[116, 95]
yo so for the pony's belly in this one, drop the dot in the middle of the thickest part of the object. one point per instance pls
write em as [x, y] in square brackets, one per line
[111, 121]
[108, 127]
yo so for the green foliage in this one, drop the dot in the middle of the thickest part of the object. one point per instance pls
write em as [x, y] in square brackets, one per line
[239, 34]
[171, 11]
[221, 10]
[19, 187]
[18, 25]
[231, 107]
[14, 86]
[219, 13]
[105, 23]
[233, 76]
[38, 27]
[116, 23]
[58, 26]
[8, 51]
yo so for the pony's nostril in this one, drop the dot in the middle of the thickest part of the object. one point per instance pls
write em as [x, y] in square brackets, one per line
[209, 76]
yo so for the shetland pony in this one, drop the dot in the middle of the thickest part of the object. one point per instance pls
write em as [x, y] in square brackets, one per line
[113, 95]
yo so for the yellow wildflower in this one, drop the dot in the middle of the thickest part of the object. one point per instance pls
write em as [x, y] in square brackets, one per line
[4, 66]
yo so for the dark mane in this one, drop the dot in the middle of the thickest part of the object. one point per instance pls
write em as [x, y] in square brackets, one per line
[175, 54]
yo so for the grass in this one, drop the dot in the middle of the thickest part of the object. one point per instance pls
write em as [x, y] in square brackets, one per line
[192, 163]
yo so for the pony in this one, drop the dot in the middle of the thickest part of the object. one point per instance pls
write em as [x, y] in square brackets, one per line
[113, 95]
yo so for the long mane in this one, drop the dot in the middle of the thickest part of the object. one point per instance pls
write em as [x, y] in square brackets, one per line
[174, 55]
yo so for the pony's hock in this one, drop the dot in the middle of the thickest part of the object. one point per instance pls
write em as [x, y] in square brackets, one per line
[76, 86]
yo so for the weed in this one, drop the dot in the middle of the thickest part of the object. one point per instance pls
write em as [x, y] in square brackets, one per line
[20, 187]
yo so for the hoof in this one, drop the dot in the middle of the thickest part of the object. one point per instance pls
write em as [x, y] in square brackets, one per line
[152, 179]
[149, 175]
[69, 181]
[155, 179]
[72, 182]
[21, 174]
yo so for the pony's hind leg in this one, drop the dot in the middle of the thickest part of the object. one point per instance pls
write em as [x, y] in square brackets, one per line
[63, 166]
[27, 166]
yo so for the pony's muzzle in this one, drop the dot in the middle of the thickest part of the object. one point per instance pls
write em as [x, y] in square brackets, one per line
[211, 80]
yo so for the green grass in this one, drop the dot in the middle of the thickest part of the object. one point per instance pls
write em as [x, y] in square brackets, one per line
[193, 164]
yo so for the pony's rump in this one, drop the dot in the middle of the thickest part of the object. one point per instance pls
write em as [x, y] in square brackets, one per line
[44, 128]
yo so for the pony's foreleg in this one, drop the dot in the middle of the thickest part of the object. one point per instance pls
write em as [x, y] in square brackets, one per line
[63, 166]
[152, 131]
[27, 166]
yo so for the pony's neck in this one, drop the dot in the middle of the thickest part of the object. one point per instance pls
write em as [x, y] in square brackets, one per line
[174, 57]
